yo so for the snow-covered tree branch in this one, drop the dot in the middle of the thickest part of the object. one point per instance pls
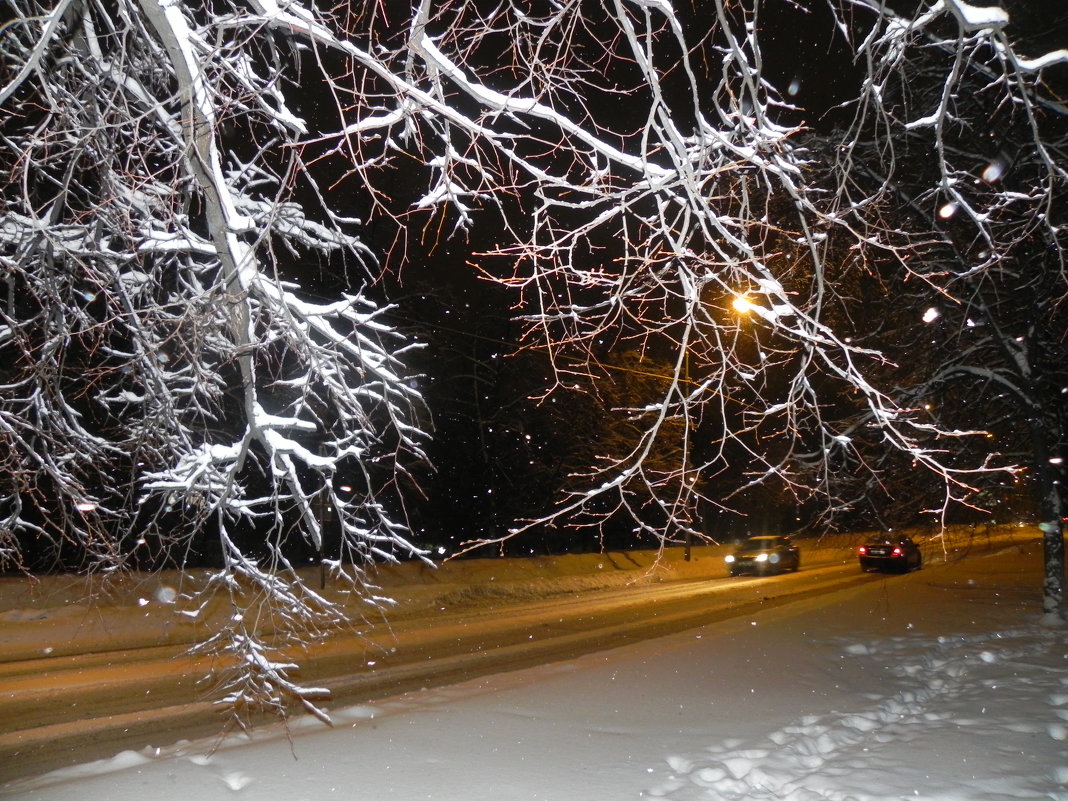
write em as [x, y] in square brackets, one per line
[650, 225]
[656, 175]
[165, 383]
[962, 138]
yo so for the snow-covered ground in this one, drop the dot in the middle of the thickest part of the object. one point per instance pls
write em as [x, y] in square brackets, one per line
[940, 685]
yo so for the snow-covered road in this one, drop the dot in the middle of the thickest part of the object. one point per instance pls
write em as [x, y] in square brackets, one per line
[940, 685]
[59, 710]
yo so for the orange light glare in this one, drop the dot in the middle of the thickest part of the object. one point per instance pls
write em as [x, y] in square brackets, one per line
[742, 305]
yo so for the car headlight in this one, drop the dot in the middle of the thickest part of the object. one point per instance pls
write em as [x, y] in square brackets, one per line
[728, 559]
[761, 557]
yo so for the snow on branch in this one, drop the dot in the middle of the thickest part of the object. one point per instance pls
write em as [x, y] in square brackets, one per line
[167, 383]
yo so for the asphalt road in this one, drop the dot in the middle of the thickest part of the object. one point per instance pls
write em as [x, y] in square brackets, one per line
[61, 711]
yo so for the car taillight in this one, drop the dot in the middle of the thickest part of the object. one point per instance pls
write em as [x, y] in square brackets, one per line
[898, 552]
[862, 550]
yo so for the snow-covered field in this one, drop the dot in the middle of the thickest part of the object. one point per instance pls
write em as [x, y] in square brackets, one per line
[940, 685]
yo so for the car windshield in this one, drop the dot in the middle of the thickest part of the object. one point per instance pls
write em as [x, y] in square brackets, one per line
[758, 544]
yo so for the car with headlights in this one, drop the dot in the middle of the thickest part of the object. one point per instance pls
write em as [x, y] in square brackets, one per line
[890, 552]
[764, 555]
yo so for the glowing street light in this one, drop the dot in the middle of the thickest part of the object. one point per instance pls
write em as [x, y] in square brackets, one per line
[742, 304]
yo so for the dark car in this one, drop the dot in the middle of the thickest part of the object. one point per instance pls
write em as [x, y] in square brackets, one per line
[890, 552]
[764, 555]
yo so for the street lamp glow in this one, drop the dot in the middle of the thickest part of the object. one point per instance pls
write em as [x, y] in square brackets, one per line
[742, 304]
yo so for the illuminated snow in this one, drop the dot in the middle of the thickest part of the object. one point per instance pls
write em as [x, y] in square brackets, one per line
[976, 17]
[942, 684]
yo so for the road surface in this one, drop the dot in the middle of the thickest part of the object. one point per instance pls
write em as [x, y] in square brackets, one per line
[66, 710]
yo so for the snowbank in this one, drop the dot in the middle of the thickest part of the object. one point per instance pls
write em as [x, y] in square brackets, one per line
[65, 615]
